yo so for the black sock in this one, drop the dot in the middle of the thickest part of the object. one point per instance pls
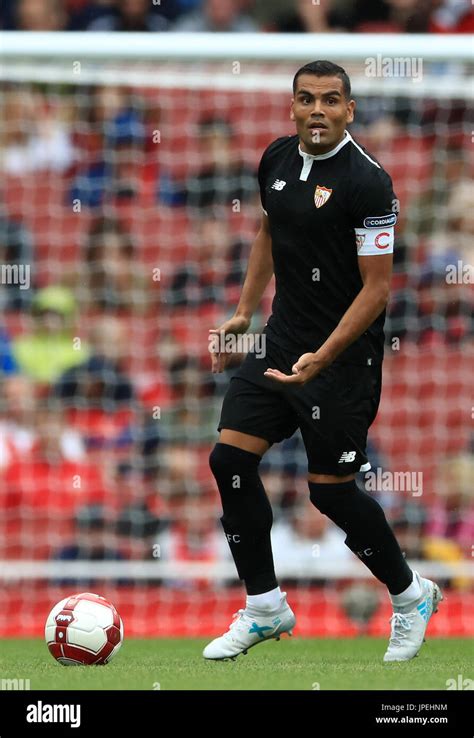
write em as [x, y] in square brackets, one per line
[247, 515]
[368, 533]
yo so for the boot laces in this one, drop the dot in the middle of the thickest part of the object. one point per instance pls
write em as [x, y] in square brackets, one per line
[401, 625]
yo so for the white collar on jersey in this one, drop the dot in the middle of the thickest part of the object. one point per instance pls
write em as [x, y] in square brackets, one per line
[328, 154]
[309, 158]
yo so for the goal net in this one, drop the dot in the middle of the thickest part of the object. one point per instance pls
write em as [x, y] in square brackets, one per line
[128, 205]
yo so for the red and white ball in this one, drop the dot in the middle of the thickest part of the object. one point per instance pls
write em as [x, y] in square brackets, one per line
[84, 629]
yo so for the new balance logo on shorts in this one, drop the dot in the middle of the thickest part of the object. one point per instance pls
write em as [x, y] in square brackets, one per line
[278, 184]
[347, 456]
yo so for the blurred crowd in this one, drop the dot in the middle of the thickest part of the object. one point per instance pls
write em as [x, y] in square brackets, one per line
[284, 16]
[108, 409]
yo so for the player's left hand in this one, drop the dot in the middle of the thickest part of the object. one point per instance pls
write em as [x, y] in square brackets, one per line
[306, 368]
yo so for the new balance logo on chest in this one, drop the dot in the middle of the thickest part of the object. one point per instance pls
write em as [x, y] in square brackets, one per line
[278, 184]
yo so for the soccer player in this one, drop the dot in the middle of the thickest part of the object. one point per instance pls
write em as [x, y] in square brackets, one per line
[327, 234]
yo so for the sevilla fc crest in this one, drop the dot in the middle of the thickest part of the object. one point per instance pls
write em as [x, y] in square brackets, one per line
[321, 196]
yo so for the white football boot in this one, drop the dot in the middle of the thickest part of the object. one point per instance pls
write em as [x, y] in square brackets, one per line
[409, 623]
[249, 627]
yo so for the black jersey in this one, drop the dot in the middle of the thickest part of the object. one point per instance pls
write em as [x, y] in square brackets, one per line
[323, 212]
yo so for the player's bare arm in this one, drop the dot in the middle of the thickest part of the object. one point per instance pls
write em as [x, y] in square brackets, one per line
[376, 272]
[259, 273]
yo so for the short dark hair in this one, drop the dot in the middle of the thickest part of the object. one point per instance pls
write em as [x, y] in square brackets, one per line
[325, 69]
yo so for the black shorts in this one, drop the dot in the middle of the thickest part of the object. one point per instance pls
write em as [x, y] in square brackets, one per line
[334, 410]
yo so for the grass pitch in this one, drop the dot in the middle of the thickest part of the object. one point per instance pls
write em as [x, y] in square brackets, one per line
[292, 663]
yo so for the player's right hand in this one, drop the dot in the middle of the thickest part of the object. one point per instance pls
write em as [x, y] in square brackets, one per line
[234, 326]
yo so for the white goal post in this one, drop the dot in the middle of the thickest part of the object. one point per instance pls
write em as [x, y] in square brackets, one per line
[378, 64]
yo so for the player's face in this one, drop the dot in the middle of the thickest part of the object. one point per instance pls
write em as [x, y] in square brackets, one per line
[321, 112]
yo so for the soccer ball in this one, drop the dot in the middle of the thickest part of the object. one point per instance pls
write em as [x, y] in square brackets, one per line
[84, 629]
